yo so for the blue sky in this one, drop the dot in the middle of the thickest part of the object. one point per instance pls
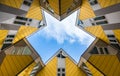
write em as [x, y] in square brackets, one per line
[60, 34]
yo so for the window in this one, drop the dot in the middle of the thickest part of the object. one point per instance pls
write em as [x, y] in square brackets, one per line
[94, 51]
[27, 3]
[101, 22]
[8, 40]
[101, 51]
[10, 36]
[106, 50]
[110, 36]
[93, 2]
[30, 20]
[99, 18]
[61, 72]
[58, 69]
[113, 41]
[18, 22]
[116, 46]
[21, 18]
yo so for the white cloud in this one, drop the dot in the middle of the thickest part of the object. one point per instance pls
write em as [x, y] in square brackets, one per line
[65, 30]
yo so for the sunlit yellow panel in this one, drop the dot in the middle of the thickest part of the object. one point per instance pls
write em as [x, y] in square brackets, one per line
[27, 70]
[54, 5]
[117, 34]
[13, 64]
[50, 69]
[65, 4]
[98, 32]
[86, 11]
[35, 10]
[12, 3]
[107, 3]
[93, 70]
[23, 32]
[72, 69]
[3, 34]
[107, 64]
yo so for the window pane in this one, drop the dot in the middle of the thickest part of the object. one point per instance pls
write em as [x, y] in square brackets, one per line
[102, 22]
[110, 36]
[58, 69]
[99, 18]
[63, 74]
[101, 51]
[94, 51]
[63, 70]
[106, 50]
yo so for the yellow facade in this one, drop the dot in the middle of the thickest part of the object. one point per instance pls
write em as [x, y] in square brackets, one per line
[35, 11]
[13, 64]
[98, 32]
[93, 70]
[54, 5]
[117, 34]
[107, 3]
[3, 34]
[23, 32]
[65, 4]
[72, 69]
[108, 64]
[12, 3]
[86, 11]
[50, 69]
[28, 70]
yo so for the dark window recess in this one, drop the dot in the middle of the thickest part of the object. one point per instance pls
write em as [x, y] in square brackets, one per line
[113, 41]
[30, 20]
[93, 24]
[93, 2]
[5, 46]
[9, 40]
[17, 22]
[21, 18]
[101, 22]
[63, 70]
[94, 51]
[27, 3]
[116, 46]
[58, 69]
[58, 74]
[106, 50]
[110, 36]
[99, 18]
[101, 51]
[10, 36]
[63, 74]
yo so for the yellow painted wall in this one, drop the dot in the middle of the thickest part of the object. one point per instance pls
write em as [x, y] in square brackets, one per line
[12, 3]
[72, 69]
[93, 70]
[86, 11]
[98, 32]
[117, 34]
[54, 5]
[35, 11]
[108, 64]
[3, 34]
[28, 70]
[13, 64]
[50, 69]
[23, 32]
[65, 4]
[106, 3]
